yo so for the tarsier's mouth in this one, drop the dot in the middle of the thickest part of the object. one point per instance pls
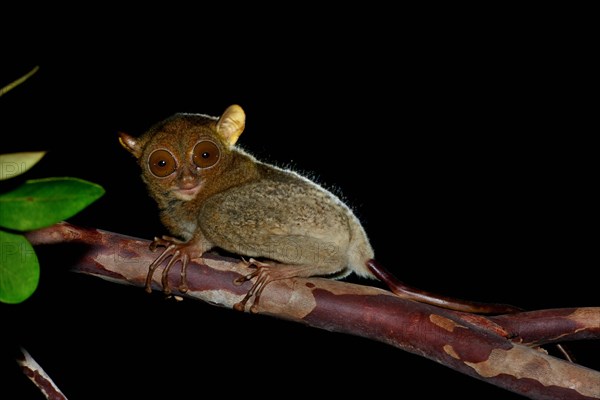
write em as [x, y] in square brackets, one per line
[186, 193]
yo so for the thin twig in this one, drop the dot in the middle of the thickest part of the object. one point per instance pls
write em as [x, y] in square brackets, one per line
[38, 376]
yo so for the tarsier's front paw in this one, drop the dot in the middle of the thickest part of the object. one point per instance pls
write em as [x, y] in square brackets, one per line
[178, 251]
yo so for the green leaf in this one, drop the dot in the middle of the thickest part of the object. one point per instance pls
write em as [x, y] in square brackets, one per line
[19, 268]
[14, 164]
[43, 202]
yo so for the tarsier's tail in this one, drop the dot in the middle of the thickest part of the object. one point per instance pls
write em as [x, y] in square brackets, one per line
[404, 291]
[401, 290]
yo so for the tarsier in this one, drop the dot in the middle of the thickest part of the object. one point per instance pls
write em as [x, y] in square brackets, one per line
[212, 194]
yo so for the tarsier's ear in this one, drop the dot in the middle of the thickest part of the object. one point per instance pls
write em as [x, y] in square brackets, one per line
[231, 124]
[130, 144]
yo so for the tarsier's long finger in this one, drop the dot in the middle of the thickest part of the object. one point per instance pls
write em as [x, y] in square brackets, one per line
[157, 242]
[238, 281]
[148, 286]
[257, 289]
[183, 287]
[165, 273]
[241, 305]
[166, 253]
[151, 270]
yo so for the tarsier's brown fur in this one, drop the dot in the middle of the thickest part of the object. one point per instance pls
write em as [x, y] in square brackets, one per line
[247, 207]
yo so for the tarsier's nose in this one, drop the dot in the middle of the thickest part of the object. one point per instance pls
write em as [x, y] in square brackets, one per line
[188, 180]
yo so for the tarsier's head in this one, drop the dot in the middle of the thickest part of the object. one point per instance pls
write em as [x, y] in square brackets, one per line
[181, 154]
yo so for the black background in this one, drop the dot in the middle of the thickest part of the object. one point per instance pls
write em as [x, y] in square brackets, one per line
[467, 159]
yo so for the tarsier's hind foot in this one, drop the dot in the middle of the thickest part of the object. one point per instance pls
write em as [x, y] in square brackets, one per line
[261, 270]
[175, 249]
[266, 273]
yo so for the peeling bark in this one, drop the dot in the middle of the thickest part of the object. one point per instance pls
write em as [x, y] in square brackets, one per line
[500, 350]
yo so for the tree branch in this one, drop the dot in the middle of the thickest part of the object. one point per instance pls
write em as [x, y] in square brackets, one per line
[536, 328]
[497, 350]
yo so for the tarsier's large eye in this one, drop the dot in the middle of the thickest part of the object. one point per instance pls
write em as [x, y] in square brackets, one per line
[206, 154]
[162, 163]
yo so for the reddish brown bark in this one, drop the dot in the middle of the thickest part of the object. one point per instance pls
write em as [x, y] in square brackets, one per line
[497, 349]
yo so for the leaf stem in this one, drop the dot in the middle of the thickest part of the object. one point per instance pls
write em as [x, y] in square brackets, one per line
[16, 83]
